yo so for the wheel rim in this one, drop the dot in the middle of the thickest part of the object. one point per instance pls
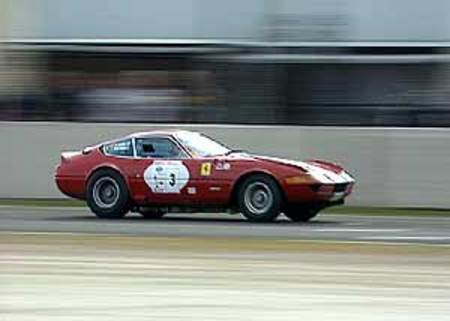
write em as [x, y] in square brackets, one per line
[258, 198]
[106, 192]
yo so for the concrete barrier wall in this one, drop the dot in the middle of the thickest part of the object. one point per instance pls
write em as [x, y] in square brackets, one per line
[393, 166]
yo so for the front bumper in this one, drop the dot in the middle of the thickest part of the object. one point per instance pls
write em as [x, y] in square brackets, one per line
[312, 193]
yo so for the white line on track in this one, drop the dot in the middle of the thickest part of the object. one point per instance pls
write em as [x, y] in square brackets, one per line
[364, 230]
[397, 218]
[393, 238]
[361, 240]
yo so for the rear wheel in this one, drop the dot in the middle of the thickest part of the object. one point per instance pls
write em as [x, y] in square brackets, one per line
[107, 194]
[259, 198]
[301, 214]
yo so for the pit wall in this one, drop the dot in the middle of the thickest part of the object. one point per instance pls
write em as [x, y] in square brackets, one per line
[393, 166]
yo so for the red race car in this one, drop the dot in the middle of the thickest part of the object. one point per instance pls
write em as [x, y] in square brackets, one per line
[170, 171]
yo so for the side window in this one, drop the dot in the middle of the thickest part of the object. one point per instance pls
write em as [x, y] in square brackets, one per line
[122, 148]
[157, 147]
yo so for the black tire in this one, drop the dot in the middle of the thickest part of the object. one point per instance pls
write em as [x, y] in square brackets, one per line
[107, 194]
[300, 214]
[151, 213]
[269, 197]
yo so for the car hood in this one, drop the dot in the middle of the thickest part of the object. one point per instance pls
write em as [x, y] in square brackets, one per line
[324, 172]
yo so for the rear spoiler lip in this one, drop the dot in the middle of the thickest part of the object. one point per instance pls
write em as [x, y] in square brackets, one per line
[66, 156]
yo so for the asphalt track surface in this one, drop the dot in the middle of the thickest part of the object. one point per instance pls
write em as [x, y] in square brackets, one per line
[63, 264]
[360, 228]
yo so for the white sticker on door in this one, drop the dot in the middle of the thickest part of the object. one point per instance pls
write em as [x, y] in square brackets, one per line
[166, 176]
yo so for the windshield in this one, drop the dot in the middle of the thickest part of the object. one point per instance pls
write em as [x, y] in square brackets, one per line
[200, 145]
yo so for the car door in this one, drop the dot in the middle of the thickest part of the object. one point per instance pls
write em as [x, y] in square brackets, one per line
[160, 169]
[165, 174]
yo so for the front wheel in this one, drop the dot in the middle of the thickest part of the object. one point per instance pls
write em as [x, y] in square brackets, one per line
[107, 194]
[301, 214]
[259, 198]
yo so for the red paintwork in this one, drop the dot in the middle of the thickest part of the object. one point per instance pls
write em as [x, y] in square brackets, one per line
[74, 171]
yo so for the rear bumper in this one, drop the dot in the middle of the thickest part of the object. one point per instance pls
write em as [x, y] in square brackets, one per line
[72, 186]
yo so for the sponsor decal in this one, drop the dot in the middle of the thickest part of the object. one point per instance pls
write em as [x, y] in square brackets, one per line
[166, 176]
[205, 169]
[222, 166]
[191, 190]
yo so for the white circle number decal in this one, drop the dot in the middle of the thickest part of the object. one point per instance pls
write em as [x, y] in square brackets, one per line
[166, 176]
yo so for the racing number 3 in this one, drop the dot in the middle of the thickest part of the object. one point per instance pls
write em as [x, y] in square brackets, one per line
[172, 179]
[166, 176]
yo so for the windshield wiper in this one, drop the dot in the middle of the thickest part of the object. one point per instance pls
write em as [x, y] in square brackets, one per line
[232, 151]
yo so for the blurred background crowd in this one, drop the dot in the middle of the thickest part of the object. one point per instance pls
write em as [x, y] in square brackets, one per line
[301, 62]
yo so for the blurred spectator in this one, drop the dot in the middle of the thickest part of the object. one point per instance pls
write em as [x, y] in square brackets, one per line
[118, 87]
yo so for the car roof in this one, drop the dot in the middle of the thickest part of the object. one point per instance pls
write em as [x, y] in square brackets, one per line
[167, 132]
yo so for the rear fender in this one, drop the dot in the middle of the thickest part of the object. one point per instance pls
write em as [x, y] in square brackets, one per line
[107, 166]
